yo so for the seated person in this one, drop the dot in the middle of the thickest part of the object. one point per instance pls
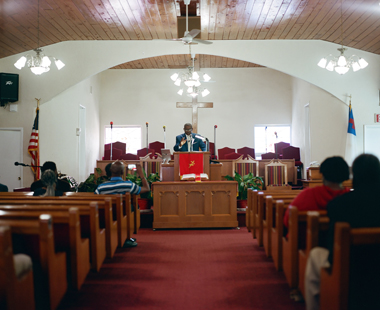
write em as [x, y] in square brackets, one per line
[49, 180]
[359, 208]
[116, 185]
[188, 141]
[62, 185]
[334, 171]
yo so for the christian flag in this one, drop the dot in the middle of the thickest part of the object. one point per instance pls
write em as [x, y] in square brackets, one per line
[191, 163]
[33, 148]
[351, 139]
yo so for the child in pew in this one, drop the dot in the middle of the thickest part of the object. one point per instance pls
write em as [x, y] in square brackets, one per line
[116, 185]
[49, 180]
[334, 171]
[359, 208]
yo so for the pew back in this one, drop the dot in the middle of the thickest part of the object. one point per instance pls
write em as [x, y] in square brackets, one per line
[353, 280]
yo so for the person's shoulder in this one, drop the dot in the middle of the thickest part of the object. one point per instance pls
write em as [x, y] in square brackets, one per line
[35, 185]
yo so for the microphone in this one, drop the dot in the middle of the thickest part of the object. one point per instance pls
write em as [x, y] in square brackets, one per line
[19, 164]
[200, 137]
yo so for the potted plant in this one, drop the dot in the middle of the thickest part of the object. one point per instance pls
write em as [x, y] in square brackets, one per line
[146, 199]
[245, 182]
[91, 183]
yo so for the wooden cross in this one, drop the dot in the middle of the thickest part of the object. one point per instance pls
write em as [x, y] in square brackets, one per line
[195, 105]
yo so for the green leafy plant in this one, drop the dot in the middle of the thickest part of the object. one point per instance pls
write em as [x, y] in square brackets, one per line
[245, 182]
[135, 178]
[91, 183]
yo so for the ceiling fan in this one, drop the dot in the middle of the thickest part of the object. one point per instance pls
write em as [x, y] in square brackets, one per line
[189, 37]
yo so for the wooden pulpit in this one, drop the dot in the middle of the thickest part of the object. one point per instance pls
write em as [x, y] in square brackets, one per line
[206, 164]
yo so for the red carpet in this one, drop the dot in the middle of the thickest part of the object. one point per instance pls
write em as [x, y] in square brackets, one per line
[187, 270]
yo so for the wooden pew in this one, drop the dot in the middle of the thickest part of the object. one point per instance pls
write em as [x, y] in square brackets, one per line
[335, 281]
[259, 210]
[252, 210]
[15, 292]
[316, 235]
[52, 265]
[105, 214]
[126, 221]
[66, 225]
[89, 219]
[292, 243]
[268, 219]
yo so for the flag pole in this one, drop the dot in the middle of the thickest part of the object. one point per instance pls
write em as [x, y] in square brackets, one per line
[164, 137]
[37, 162]
[215, 140]
[147, 143]
[111, 123]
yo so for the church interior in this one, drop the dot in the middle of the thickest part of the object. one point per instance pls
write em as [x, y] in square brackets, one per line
[119, 56]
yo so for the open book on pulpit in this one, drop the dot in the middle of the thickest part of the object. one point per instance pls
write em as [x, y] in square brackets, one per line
[192, 166]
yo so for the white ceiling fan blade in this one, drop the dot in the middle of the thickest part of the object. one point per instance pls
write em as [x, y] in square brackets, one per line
[202, 41]
[194, 32]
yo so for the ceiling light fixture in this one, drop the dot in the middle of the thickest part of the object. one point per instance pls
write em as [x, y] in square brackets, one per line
[39, 63]
[192, 81]
[341, 64]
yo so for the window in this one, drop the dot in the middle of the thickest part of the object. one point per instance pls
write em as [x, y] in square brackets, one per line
[267, 135]
[130, 135]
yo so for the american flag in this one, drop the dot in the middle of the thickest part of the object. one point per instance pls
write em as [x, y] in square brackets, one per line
[33, 148]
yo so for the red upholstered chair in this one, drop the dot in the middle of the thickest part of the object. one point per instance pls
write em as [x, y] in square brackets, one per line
[129, 156]
[233, 156]
[143, 152]
[291, 152]
[278, 147]
[224, 151]
[116, 145]
[116, 154]
[247, 151]
[268, 155]
[212, 151]
[157, 146]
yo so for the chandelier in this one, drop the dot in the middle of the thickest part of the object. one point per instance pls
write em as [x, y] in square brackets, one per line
[191, 81]
[39, 63]
[342, 64]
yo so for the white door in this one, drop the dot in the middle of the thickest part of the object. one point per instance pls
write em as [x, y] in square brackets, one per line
[11, 151]
[372, 140]
[82, 144]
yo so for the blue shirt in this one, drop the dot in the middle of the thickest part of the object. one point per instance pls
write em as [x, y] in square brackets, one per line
[116, 185]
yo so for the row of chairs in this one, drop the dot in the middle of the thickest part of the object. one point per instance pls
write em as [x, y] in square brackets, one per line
[290, 248]
[65, 236]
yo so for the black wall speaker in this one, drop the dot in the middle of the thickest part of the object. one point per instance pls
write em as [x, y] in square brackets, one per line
[8, 88]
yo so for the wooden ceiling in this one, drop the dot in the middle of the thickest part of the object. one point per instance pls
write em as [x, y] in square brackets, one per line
[64, 20]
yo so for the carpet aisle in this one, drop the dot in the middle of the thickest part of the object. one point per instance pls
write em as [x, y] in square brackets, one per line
[187, 270]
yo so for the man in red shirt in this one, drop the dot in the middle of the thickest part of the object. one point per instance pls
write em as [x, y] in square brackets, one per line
[334, 171]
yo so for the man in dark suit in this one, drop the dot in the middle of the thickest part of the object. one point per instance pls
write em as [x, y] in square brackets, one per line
[188, 141]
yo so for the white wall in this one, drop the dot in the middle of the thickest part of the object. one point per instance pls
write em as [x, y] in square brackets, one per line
[242, 98]
[59, 119]
[328, 117]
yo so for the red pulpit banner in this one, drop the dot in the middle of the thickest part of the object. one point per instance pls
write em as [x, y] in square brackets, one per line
[190, 163]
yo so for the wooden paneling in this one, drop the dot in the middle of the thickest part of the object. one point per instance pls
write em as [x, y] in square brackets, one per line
[65, 20]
